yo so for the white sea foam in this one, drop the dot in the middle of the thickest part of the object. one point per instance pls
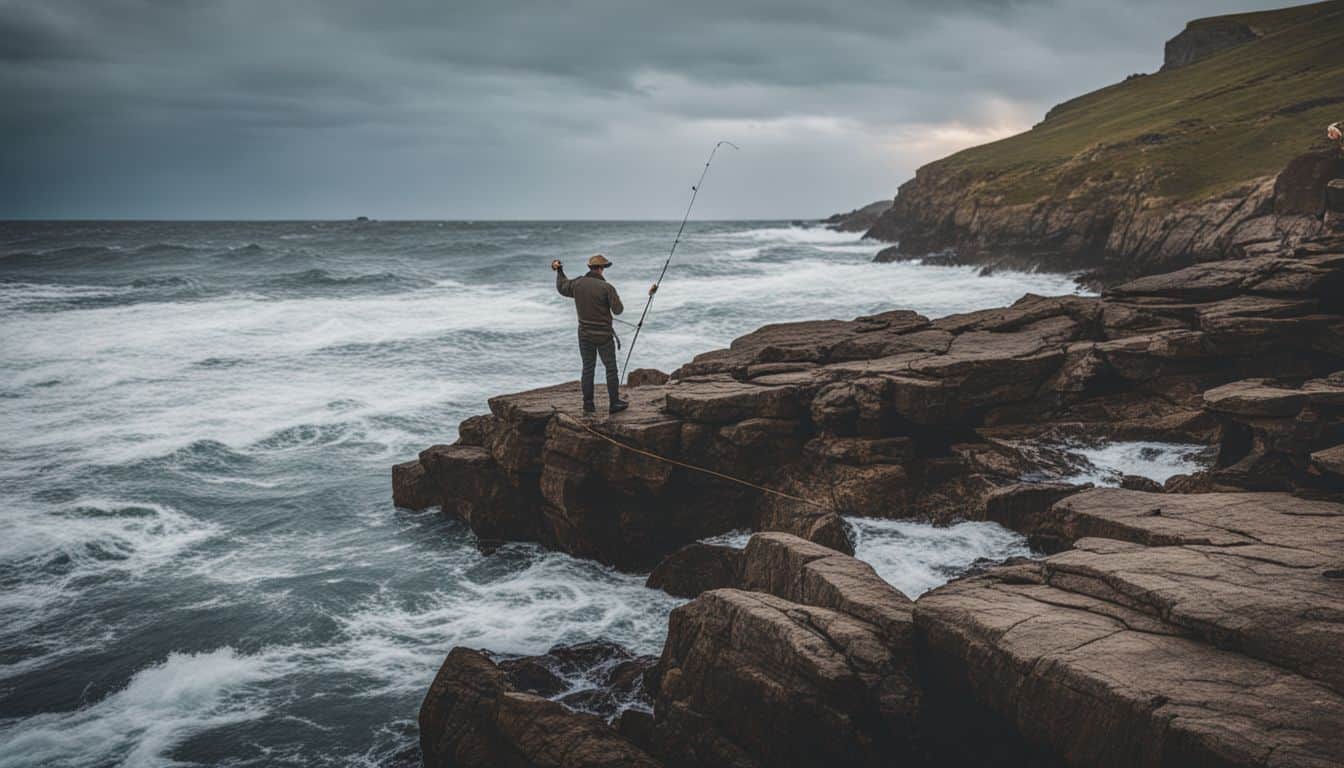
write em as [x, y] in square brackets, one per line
[1153, 460]
[796, 235]
[96, 536]
[735, 539]
[66, 550]
[547, 599]
[159, 708]
[916, 557]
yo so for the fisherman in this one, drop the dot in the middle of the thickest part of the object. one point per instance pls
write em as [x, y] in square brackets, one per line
[596, 301]
[1335, 133]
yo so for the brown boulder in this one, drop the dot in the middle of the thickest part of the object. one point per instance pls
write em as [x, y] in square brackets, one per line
[752, 679]
[822, 525]
[472, 486]
[472, 717]
[805, 572]
[410, 489]
[695, 568]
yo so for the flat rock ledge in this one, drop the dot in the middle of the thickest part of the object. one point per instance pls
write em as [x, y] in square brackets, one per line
[1201, 630]
[896, 415]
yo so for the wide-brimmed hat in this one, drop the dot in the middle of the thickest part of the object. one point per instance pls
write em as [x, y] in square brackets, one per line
[598, 261]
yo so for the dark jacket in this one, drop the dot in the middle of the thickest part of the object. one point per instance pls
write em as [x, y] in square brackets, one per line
[596, 301]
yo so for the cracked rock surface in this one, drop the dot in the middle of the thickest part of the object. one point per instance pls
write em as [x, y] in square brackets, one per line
[1204, 629]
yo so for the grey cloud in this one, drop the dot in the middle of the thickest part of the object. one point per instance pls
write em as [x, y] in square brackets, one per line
[523, 109]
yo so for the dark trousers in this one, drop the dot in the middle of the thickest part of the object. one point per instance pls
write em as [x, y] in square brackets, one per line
[589, 352]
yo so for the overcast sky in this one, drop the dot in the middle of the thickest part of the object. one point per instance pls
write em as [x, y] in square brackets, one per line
[502, 109]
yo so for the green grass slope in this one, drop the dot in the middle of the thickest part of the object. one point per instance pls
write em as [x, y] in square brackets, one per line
[1196, 130]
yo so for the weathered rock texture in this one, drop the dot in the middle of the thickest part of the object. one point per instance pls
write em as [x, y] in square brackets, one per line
[1175, 629]
[473, 717]
[806, 663]
[1201, 630]
[1121, 229]
[1280, 435]
[889, 415]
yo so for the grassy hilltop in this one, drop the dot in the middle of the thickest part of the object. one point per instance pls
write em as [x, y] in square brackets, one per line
[1197, 129]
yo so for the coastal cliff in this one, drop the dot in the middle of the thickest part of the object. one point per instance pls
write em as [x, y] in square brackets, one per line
[1191, 623]
[1220, 154]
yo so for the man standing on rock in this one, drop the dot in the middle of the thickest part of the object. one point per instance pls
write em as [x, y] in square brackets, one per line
[596, 301]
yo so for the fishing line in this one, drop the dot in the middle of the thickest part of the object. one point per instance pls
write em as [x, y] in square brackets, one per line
[695, 190]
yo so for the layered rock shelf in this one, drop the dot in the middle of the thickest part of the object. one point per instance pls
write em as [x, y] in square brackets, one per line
[1198, 622]
[891, 415]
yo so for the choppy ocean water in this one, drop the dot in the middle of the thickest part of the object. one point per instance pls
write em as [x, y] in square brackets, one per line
[199, 558]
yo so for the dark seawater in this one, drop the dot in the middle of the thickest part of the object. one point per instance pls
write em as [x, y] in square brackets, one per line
[199, 558]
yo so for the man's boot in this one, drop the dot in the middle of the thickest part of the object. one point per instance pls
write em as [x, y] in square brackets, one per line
[589, 406]
[618, 405]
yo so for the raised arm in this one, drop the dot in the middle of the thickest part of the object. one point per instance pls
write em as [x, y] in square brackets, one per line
[563, 284]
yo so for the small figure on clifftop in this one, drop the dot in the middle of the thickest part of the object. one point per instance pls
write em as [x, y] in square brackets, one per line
[596, 301]
[1336, 134]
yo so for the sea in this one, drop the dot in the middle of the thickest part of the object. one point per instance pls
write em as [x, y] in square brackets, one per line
[200, 561]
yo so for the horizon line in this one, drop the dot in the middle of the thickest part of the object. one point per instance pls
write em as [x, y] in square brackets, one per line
[372, 220]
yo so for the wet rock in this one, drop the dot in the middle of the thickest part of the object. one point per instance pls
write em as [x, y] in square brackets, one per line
[472, 717]
[598, 677]
[696, 568]
[533, 675]
[545, 733]
[410, 489]
[1025, 508]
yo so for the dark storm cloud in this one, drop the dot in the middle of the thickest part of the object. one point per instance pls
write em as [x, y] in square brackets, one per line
[242, 108]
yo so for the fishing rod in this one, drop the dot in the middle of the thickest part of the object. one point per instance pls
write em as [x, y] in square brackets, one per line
[695, 190]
